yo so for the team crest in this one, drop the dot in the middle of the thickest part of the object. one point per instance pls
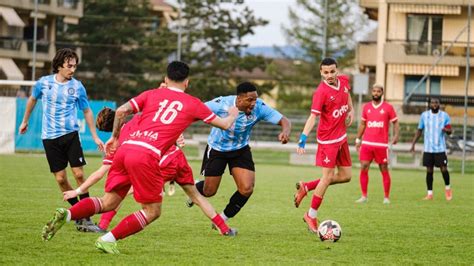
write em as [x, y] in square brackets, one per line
[346, 90]
[326, 160]
[332, 98]
[368, 111]
[70, 91]
[382, 111]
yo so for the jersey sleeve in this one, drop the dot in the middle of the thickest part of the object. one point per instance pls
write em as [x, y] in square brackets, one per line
[203, 112]
[269, 114]
[138, 102]
[421, 124]
[345, 81]
[82, 101]
[214, 104]
[447, 120]
[108, 159]
[364, 113]
[392, 115]
[318, 101]
[37, 93]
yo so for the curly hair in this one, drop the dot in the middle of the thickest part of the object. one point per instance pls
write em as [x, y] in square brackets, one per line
[63, 55]
[105, 120]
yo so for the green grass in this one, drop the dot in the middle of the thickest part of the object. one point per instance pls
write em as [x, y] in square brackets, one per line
[271, 230]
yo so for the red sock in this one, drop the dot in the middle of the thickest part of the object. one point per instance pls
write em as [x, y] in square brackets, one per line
[386, 183]
[220, 223]
[130, 225]
[105, 219]
[364, 181]
[311, 185]
[85, 208]
[316, 202]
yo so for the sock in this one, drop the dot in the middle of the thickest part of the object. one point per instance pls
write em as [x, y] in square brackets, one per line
[200, 187]
[130, 225]
[106, 218]
[364, 181]
[220, 223]
[85, 208]
[73, 201]
[446, 177]
[430, 192]
[224, 217]
[109, 237]
[316, 202]
[448, 187]
[311, 185]
[429, 181]
[84, 196]
[312, 213]
[386, 183]
[236, 202]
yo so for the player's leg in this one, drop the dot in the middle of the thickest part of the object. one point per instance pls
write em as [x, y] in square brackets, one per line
[366, 156]
[428, 162]
[213, 166]
[441, 160]
[386, 182]
[302, 189]
[245, 181]
[107, 217]
[76, 159]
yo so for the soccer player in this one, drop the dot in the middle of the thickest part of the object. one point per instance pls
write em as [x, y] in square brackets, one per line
[333, 104]
[166, 113]
[231, 146]
[61, 95]
[376, 118]
[435, 124]
[173, 165]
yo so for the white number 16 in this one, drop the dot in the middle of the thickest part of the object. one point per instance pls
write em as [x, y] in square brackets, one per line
[170, 113]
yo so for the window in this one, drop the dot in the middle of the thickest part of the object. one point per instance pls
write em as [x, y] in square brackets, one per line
[424, 34]
[431, 85]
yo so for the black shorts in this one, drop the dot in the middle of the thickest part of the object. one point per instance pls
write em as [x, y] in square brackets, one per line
[60, 151]
[214, 162]
[437, 159]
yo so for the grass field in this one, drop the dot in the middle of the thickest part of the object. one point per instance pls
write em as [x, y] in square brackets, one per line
[271, 230]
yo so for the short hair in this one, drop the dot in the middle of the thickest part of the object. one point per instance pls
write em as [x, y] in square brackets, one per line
[327, 62]
[105, 119]
[245, 87]
[376, 85]
[436, 98]
[63, 55]
[177, 71]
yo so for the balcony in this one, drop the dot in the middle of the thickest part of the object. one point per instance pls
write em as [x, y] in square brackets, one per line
[366, 54]
[70, 8]
[17, 48]
[369, 3]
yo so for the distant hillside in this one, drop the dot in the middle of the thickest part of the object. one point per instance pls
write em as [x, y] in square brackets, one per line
[272, 52]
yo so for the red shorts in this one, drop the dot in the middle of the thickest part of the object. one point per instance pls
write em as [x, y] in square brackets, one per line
[369, 153]
[175, 167]
[139, 168]
[330, 156]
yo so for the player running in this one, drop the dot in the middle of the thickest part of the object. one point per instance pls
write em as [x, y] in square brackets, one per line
[332, 103]
[166, 113]
[376, 118]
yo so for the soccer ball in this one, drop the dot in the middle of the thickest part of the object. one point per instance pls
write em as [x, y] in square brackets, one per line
[330, 231]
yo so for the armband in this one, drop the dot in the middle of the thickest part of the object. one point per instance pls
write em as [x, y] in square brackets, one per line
[302, 141]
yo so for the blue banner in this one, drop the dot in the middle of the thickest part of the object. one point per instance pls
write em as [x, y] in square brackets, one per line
[31, 140]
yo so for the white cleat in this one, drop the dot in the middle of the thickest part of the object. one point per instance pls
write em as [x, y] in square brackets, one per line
[362, 200]
[386, 201]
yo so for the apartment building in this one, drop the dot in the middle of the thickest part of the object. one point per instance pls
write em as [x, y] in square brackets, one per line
[410, 37]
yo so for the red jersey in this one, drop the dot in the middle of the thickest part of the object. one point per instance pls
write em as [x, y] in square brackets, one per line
[166, 113]
[377, 119]
[124, 133]
[332, 104]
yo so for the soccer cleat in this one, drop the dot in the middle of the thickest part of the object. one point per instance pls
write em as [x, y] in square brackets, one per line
[89, 226]
[107, 247]
[449, 194]
[428, 197]
[363, 200]
[189, 203]
[171, 190]
[58, 220]
[300, 193]
[312, 223]
[231, 232]
[386, 201]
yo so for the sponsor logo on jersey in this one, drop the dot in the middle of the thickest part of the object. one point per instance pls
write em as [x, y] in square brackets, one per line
[146, 134]
[341, 111]
[375, 124]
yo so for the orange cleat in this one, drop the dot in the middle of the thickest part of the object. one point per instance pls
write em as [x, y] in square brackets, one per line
[312, 223]
[300, 193]
[428, 197]
[449, 194]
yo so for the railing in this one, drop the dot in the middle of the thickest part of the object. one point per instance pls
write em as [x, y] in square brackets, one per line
[432, 48]
[72, 4]
[455, 100]
[10, 43]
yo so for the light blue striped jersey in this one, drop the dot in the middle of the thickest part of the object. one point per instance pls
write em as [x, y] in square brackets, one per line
[60, 102]
[432, 125]
[238, 135]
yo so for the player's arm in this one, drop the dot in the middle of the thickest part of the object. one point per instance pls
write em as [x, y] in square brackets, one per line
[285, 124]
[120, 115]
[226, 123]
[350, 114]
[30, 105]
[396, 132]
[89, 117]
[308, 126]
[447, 127]
[90, 181]
[360, 133]
[415, 139]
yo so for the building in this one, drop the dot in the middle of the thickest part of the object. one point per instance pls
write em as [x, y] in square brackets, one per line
[17, 31]
[410, 37]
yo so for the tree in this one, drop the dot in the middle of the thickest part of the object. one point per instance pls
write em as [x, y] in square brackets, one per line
[119, 48]
[212, 44]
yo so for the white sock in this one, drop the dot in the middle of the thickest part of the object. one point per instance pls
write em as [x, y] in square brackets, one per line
[312, 213]
[68, 218]
[224, 217]
[447, 187]
[109, 237]
[430, 192]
